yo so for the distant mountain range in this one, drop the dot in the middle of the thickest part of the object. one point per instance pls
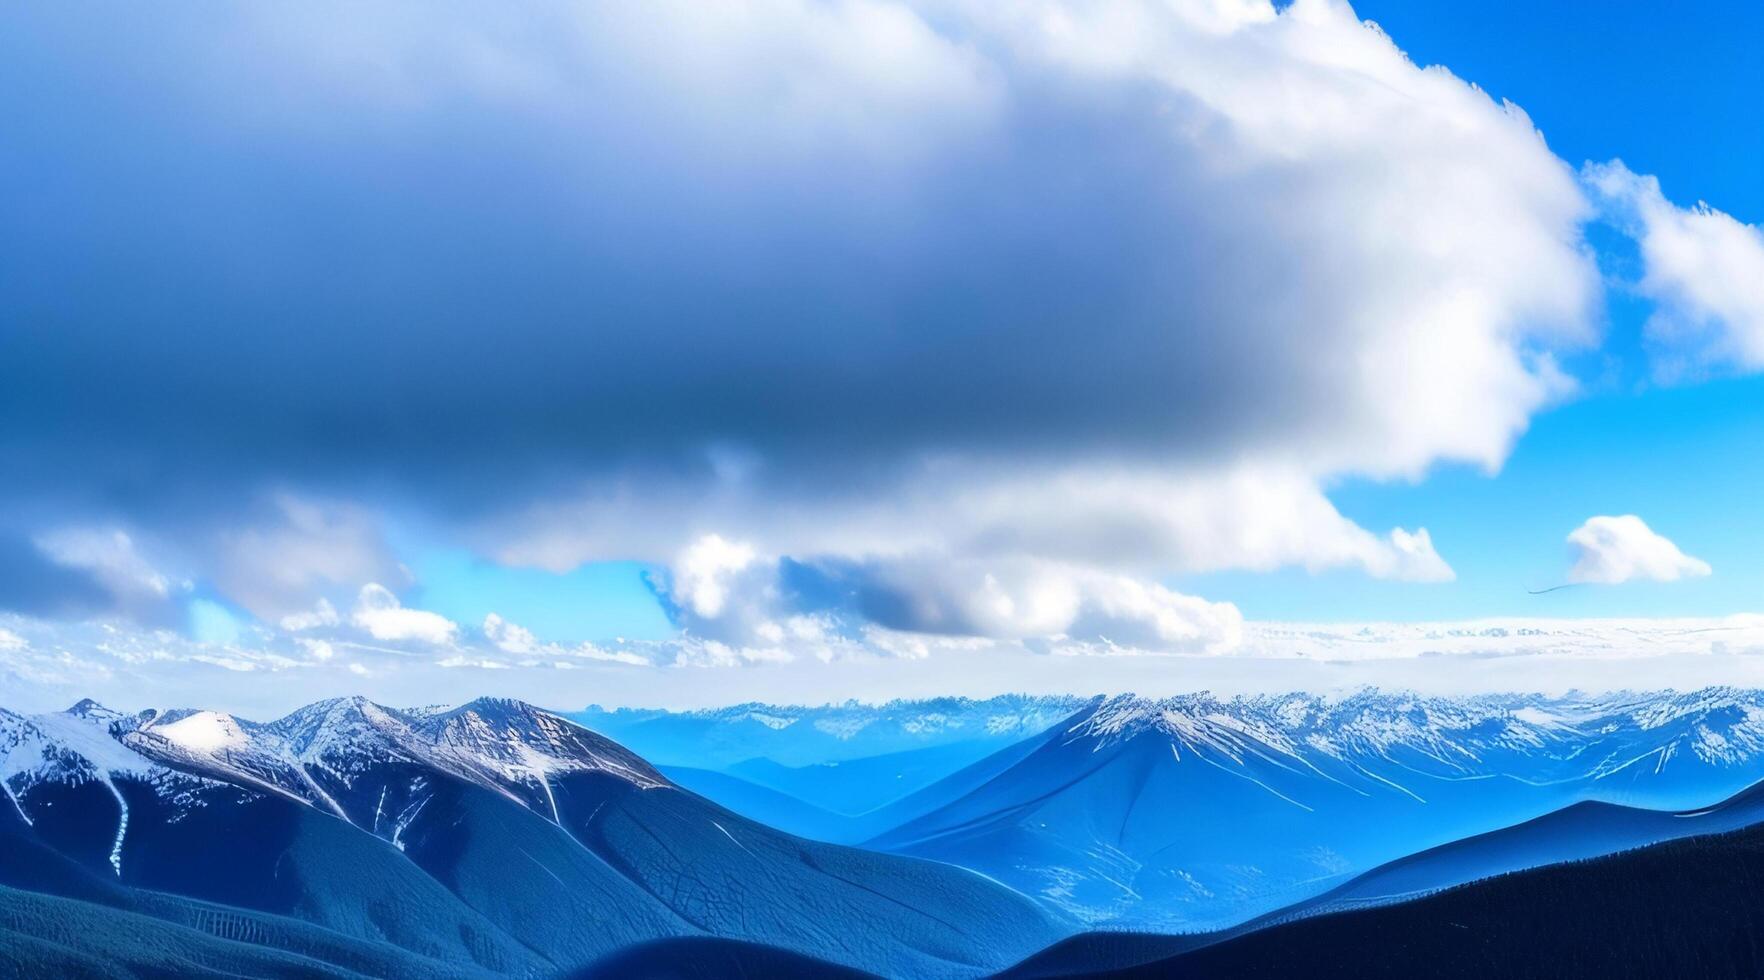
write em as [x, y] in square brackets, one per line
[1198, 812]
[489, 839]
[498, 839]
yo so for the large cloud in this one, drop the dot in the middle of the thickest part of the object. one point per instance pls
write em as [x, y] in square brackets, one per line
[1058, 297]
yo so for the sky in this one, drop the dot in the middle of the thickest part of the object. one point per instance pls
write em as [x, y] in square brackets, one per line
[814, 349]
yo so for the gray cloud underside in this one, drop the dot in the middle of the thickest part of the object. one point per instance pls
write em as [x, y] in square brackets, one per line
[409, 247]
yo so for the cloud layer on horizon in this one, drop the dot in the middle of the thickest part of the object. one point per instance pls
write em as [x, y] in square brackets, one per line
[46, 666]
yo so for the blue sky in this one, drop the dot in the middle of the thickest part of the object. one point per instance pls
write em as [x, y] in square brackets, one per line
[399, 345]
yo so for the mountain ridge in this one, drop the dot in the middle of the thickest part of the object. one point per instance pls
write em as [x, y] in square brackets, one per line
[522, 842]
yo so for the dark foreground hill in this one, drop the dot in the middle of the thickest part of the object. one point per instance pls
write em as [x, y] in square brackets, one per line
[706, 958]
[1685, 908]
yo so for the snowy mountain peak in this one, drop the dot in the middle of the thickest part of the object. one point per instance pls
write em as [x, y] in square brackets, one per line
[515, 740]
[90, 709]
[337, 730]
[207, 732]
[321, 753]
[1720, 727]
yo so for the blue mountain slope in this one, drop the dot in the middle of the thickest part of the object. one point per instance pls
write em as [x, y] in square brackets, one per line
[765, 805]
[46, 936]
[87, 927]
[1579, 832]
[735, 878]
[853, 787]
[780, 809]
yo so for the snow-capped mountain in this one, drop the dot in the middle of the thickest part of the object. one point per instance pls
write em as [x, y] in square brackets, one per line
[497, 838]
[318, 754]
[489, 839]
[1200, 811]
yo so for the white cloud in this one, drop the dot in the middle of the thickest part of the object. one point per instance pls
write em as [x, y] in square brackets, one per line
[590, 651]
[130, 667]
[10, 641]
[509, 637]
[1703, 269]
[112, 557]
[1235, 251]
[826, 608]
[481, 663]
[1612, 550]
[321, 615]
[517, 640]
[380, 613]
[959, 550]
[1410, 247]
[1138, 615]
[320, 650]
[277, 565]
[703, 573]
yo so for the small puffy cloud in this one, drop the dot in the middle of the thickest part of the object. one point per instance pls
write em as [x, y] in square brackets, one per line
[1613, 550]
[1412, 558]
[380, 613]
[1703, 269]
[319, 650]
[10, 641]
[1129, 613]
[321, 615]
[509, 637]
[703, 574]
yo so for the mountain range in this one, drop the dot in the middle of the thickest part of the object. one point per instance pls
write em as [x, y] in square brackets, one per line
[494, 838]
[1197, 812]
[488, 839]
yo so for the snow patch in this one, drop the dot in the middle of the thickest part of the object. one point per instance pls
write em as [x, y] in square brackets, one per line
[206, 732]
